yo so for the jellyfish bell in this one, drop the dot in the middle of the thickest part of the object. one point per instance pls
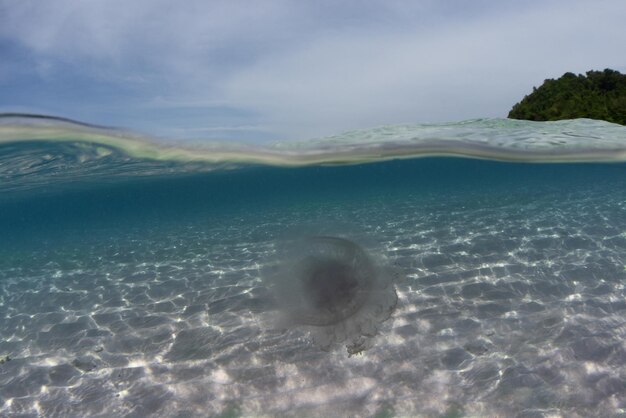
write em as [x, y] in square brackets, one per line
[330, 287]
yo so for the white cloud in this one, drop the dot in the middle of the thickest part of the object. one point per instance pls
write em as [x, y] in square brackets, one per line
[457, 71]
[313, 68]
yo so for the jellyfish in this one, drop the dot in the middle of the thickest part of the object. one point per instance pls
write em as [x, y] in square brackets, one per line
[331, 288]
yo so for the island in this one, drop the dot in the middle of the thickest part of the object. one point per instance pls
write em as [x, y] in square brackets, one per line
[595, 95]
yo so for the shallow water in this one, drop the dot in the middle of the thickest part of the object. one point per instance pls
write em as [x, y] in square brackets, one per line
[145, 295]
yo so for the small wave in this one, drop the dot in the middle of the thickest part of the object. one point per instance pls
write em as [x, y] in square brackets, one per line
[38, 149]
[498, 139]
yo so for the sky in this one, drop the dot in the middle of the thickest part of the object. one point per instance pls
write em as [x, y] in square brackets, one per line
[256, 71]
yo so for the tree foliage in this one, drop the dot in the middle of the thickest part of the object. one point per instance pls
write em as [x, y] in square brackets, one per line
[596, 95]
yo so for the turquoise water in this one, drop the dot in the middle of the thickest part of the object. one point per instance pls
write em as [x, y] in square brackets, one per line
[139, 277]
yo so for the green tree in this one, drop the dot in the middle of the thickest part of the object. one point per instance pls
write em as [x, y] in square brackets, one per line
[595, 95]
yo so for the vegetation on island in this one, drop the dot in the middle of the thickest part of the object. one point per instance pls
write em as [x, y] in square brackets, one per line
[595, 95]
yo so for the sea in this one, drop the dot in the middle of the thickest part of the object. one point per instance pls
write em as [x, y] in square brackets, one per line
[465, 269]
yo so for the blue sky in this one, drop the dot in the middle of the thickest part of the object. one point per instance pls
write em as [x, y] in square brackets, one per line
[277, 69]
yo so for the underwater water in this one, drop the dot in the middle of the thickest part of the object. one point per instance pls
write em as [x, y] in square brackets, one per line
[141, 279]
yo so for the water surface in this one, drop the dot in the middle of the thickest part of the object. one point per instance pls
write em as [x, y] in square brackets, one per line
[131, 276]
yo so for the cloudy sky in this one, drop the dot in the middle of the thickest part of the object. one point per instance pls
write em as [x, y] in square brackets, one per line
[279, 69]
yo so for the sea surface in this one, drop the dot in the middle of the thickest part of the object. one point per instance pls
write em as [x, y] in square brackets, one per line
[148, 277]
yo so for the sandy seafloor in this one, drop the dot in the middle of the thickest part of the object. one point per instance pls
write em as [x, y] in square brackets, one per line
[147, 300]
